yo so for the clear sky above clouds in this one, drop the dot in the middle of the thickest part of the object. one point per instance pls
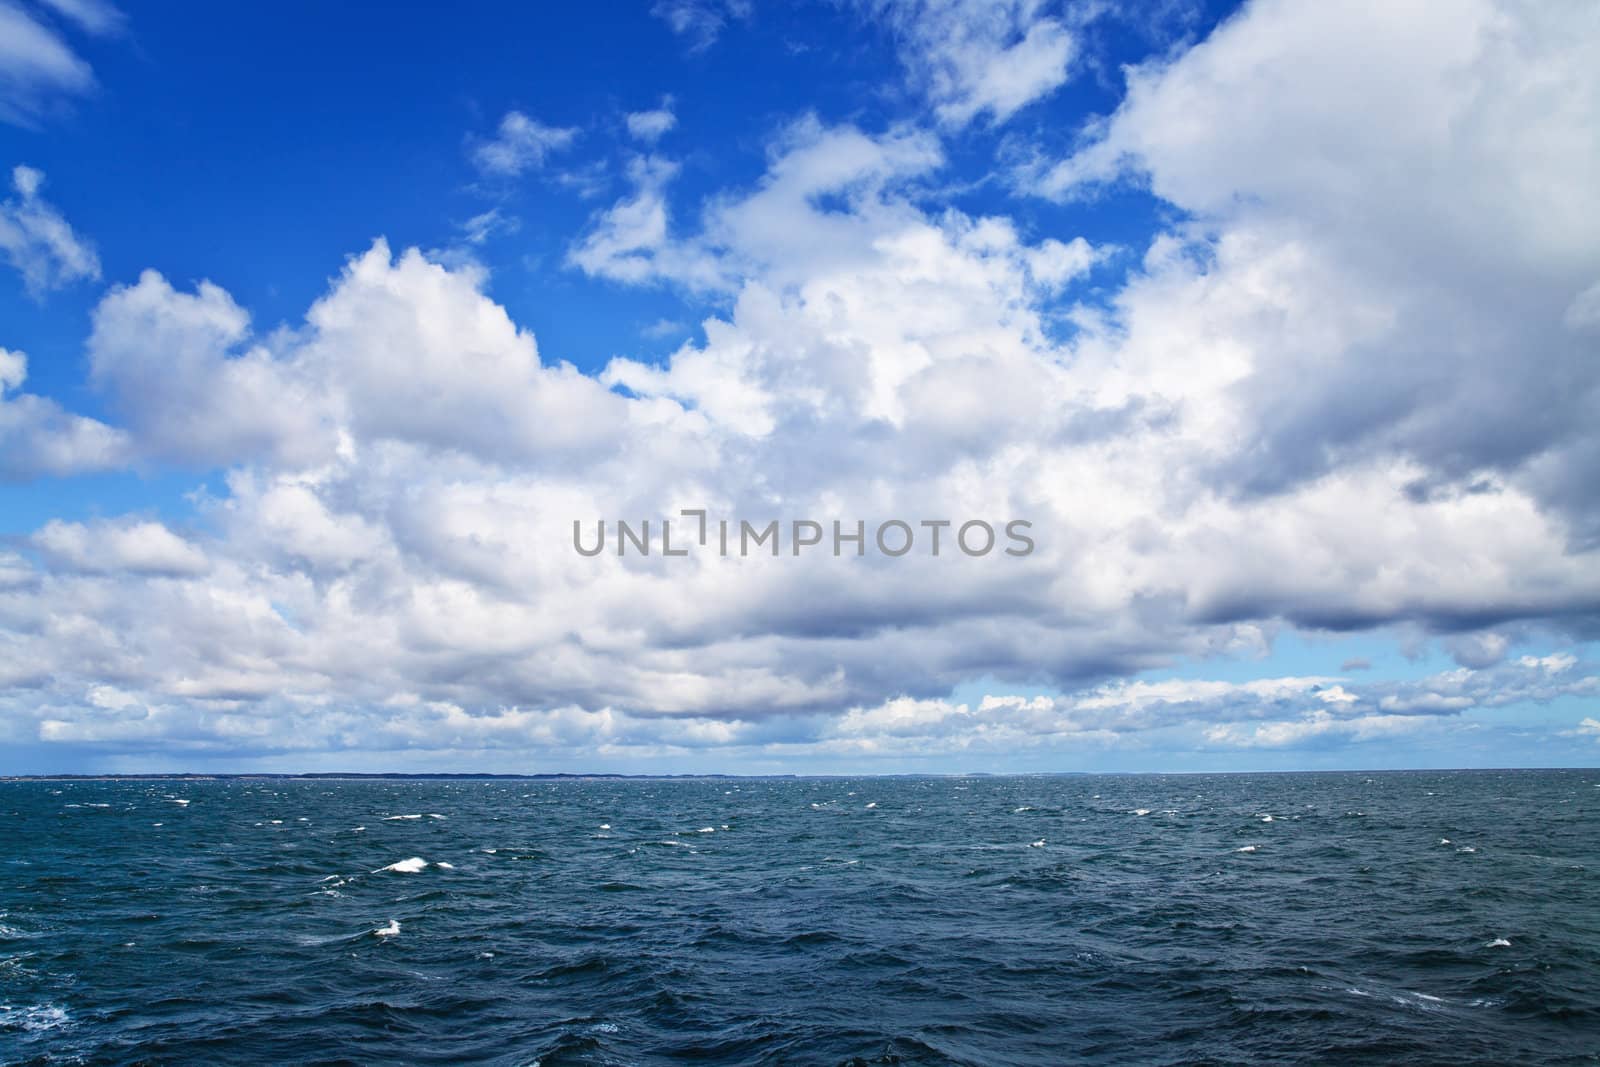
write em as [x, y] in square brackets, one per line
[321, 324]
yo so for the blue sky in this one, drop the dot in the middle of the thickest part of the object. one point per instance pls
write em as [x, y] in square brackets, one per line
[315, 342]
[304, 148]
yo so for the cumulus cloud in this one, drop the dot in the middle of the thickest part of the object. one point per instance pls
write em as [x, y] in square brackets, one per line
[38, 437]
[127, 546]
[191, 386]
[402, 350]
[409, 468]
[1381, 274]
[222, 709]
[1308, 404]
[521, 144]
[38, 242]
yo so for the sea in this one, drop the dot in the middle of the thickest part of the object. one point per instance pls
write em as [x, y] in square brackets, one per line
[1430, 917]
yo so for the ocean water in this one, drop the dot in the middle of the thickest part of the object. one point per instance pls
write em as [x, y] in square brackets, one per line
[1420, 917]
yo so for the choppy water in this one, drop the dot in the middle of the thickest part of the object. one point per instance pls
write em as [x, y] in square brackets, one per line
[1420, 917]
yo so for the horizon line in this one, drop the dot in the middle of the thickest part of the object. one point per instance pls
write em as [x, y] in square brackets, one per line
[618, 775]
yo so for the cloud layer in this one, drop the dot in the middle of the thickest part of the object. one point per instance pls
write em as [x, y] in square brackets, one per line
[1353, 386]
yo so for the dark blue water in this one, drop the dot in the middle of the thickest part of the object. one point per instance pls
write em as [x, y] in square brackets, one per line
[1429, 917]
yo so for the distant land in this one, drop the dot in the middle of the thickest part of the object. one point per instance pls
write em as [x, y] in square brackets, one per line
[196, 776]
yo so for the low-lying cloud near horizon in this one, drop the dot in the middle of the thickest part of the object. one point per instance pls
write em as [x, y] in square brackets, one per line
[1353, 384]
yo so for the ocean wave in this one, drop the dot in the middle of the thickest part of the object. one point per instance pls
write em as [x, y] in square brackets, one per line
[33, 1018]
[943, 917]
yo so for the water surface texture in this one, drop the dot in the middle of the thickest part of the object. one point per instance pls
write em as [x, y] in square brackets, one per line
[1423, 917]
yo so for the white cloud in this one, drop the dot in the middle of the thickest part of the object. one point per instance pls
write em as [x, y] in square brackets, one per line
[402, 350]
[1317, 726]
[1266, 713]
[976, 57]
[662, 328]
[1380, 275]
[651, 126]
[191, 387]
[292, 523]
[1554, 663]
[699, 22]
[1054, 263]
[13, 370]
[38, 438]
[418, 542]
[521, 144]
[38, 242]
[390, 566]
[37, 67]
[629, 242]
[478, 229]
[93, 16]
[129, 546]
[1214, 715]
[783, 228]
